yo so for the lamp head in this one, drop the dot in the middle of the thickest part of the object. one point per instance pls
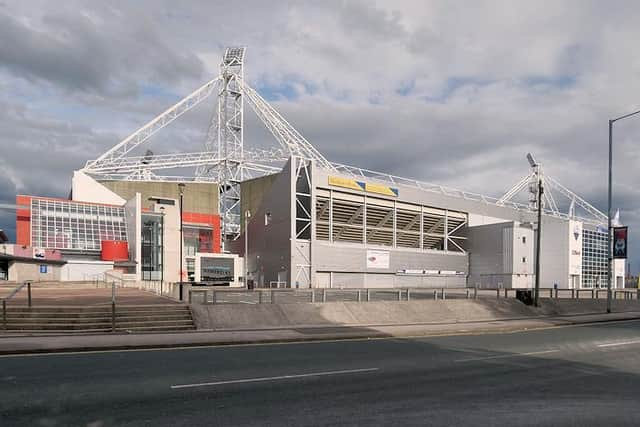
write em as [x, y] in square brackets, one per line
[531, 160]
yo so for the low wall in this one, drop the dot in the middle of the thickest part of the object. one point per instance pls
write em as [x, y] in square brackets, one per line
[246, 316]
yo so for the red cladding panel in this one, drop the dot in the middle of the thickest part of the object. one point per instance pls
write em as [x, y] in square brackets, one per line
[114, 250]
[23, 221]
[211, 220]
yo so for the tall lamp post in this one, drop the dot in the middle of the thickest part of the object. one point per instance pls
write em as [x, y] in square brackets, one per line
[609, 245]
[247, 215]
[536, 292]
[181, 190]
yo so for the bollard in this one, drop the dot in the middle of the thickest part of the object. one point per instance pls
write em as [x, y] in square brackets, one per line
[213, 296]
[359, 296]
[324, 295]
[435, 294]
[498, 293]
[399, 294]
[467, 293]
[313, 296]
[273, 297]
[368, 295]
[113, 316]
[444, 295]
[475, 293]
[408, 294]
[506, 294]
[29, 293]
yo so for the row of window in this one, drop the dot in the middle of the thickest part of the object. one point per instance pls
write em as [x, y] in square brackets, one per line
[343, 217]
[70, 225]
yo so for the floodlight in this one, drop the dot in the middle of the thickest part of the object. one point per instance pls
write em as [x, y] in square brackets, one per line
[531, 160]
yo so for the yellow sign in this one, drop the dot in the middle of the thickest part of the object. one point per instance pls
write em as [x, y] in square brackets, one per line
[381, 189]
[337, 181]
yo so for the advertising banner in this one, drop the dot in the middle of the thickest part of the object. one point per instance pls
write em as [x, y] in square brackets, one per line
[620, 242]
[216, 271]
[377, 259]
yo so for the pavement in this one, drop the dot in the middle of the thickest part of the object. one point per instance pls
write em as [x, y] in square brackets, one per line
[25, 344]
[586, 375]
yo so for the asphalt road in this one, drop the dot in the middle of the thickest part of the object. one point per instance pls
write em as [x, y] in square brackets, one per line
[576, 376]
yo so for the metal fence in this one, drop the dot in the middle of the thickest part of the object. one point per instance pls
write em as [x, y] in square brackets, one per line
[288, 296]
[203, 295]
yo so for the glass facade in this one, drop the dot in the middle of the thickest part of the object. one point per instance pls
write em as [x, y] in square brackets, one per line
[61, 224]
[594, 259]
[197, 239]
[4, 270]
[152, 247]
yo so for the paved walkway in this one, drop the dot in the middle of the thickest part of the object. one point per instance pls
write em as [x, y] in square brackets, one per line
[12, 344]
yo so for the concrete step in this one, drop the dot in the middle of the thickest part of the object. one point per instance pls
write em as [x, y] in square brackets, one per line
[97, 312]
[159, 325]
[103, 330]
[94, 313]
[96, 319]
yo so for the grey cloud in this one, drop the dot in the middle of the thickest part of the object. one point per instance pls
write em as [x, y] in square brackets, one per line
[366, 21]
[84, 54]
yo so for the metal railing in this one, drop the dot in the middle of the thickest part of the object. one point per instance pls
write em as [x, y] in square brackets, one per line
[324, 295]
[287, 296]
[11, 295]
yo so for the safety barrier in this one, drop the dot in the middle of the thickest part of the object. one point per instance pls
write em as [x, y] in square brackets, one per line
[285, 296]
[204, 295]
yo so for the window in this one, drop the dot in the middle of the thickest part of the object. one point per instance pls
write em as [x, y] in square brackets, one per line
[70, 225]
[524, 239]
[524, 258]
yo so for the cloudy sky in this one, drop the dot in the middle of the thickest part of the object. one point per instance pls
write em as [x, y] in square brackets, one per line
[451, 92]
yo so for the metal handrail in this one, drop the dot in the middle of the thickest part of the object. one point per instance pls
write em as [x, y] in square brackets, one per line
[11, 295]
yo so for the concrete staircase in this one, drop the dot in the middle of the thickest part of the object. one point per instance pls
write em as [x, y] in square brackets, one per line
[97, 319]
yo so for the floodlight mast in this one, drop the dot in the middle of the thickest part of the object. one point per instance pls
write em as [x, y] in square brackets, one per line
[230, 142]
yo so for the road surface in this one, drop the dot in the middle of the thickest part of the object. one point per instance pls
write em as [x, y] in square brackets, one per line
[573, 376]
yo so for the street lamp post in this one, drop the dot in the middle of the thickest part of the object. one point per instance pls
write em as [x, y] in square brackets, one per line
[247, 215]
[609, 245]
[540, 191]
[536, 293]
[181, 190]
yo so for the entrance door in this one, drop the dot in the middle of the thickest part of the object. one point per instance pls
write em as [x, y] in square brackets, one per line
[4, 270]
[574, 281]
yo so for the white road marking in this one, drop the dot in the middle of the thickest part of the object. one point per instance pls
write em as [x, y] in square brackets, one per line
[281, 377]
[614, 344]
[505, 356]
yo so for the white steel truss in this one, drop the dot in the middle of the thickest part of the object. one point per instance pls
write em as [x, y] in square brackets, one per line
[227, 162]
[549, 204]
